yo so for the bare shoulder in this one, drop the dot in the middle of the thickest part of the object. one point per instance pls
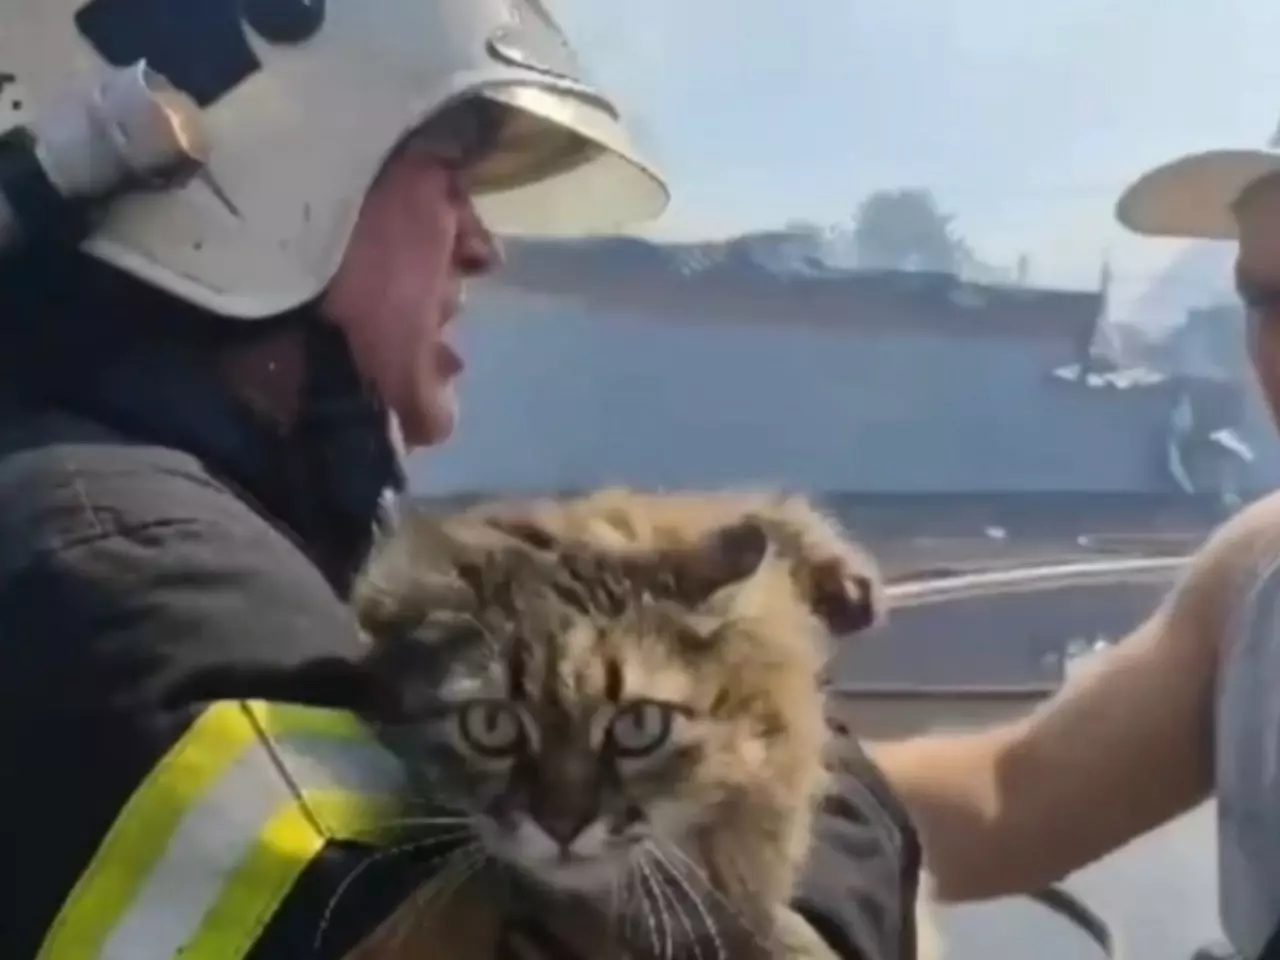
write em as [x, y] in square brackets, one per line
[1129, 744]
[1225, 580]
[1119, 750]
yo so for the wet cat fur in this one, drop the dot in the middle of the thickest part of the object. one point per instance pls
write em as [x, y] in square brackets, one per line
[578, 611]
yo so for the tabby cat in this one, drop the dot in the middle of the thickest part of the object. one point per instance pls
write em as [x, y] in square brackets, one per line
[618, 699]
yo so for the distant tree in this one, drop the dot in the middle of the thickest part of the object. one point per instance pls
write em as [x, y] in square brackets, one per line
[906, 230]
[806, 226]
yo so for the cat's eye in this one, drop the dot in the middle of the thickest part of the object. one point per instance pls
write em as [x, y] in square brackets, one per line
[490, 728]
[640, 728]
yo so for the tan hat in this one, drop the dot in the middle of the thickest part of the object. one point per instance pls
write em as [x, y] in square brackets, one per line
[1193, 196]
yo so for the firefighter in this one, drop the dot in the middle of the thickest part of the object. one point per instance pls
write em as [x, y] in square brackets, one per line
[233, 237]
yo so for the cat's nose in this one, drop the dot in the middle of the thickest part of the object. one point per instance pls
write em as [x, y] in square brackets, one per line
[563, 827]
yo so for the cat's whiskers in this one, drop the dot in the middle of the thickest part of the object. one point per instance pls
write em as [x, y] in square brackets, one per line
[645, 913]
[696, 873]
[375, 857]
[634, 896]
[616, 919]
[660, 906]
[691, 896]
[664, 885]
[459, 821]
[460, 867]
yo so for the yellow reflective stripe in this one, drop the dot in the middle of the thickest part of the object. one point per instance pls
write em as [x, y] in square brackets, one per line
[264, 878]
[343, 815]
[257, 887]
[140, 833]
[246, 799]
[287, 720]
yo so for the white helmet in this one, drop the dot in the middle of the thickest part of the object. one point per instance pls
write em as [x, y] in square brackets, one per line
[302, 101]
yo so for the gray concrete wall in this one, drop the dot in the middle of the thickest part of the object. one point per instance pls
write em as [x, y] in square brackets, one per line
[555, 397]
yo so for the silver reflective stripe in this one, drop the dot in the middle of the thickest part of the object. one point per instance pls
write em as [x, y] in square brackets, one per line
[318, 763]
[218, 834]
[213, 839]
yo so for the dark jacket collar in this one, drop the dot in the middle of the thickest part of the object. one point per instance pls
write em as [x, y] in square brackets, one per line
[327, 484]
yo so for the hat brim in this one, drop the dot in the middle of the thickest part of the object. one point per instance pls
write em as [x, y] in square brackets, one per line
[1194, 195]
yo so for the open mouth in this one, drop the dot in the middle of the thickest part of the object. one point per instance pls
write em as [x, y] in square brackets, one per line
[454, 307]
[450, 362]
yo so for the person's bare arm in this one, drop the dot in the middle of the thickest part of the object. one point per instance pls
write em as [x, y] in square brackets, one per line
[1120, 750]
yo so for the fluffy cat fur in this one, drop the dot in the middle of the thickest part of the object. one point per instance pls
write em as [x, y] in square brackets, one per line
[698, 622]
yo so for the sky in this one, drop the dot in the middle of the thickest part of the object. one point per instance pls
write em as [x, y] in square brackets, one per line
[1026, 119]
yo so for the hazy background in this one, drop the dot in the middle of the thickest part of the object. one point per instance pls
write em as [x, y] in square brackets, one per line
[1026, 119]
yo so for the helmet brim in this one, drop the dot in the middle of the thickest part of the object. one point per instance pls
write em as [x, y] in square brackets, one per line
[564, 165]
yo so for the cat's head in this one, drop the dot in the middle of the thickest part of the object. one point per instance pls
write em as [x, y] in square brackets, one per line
[575, 701]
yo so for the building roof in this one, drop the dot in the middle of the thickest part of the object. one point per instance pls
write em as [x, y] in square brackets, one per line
[759, 278]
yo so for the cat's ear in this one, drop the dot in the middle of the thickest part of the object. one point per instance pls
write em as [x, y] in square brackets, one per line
[727, 556]
[838, 580]
[401, 674]
[842, 595]
[414, 571]
[525, 530]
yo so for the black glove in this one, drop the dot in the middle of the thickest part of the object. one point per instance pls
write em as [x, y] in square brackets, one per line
[858, 890]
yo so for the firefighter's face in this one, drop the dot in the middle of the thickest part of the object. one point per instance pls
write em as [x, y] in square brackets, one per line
[1258, 282]
[400, 285]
